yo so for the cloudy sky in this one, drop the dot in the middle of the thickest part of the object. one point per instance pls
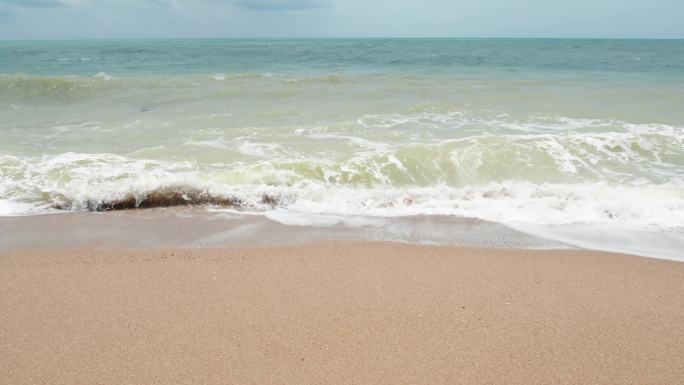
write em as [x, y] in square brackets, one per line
[41, 19]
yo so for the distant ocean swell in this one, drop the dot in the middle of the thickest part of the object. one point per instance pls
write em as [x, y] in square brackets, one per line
[31, 88]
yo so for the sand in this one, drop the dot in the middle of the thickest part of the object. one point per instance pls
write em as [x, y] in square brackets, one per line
[199, 227]
[339, 313]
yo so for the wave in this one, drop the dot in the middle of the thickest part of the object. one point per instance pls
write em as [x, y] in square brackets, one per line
[172, 196]
[20, 88]
[508, 202]
[306, 151]
[78, 182]
[486, 156]
[28, 85]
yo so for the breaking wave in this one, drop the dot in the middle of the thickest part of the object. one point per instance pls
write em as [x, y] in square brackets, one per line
[76, 181]
[203, 140]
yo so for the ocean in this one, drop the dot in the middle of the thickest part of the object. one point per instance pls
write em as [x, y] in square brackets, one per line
[563, 138]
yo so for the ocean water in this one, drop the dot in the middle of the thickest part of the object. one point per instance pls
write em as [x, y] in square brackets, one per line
[533, 133]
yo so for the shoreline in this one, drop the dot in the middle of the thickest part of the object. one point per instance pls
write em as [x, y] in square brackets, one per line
[315, 212]
[202, 226]
[339, 312]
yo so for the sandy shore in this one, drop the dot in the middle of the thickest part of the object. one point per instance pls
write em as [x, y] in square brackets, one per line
[339, 313]
[199, 227]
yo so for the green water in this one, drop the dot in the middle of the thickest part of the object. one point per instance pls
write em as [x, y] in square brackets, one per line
[525, 131]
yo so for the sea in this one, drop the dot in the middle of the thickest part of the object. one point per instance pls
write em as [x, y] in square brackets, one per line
[577, 140]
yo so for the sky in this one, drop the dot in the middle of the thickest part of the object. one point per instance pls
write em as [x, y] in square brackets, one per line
[79, 19]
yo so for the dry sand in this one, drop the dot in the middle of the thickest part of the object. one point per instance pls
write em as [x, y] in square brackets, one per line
[339, 313]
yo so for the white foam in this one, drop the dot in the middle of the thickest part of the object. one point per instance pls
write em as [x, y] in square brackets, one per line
[103, 76]
[83, 59]
[219, 144]
[77, 178]
[10, 208]
[6, 208]
[294, 218]
[260, 149]
[648, 242]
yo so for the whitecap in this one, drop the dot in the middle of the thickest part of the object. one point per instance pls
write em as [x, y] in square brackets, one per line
[260, 149]
[220, 144]
[103, 76]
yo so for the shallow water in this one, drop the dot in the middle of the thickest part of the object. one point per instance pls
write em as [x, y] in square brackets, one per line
[524, 132]
[190, 227]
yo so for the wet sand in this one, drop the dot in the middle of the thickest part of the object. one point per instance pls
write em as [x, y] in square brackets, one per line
[339, 312]
[197, 226]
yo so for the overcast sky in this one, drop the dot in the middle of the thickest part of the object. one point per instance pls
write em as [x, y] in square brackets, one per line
[41, 19]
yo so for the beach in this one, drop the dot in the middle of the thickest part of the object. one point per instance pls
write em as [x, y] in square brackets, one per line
[559, 138]
[344, 312]
[340, 210]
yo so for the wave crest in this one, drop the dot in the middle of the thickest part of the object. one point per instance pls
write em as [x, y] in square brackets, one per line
[173, 196]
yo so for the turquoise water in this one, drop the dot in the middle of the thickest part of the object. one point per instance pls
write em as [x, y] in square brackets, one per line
[524, 132]
[553, 58]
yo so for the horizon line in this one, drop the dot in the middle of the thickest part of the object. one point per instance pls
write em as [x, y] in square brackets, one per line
[342, 38]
